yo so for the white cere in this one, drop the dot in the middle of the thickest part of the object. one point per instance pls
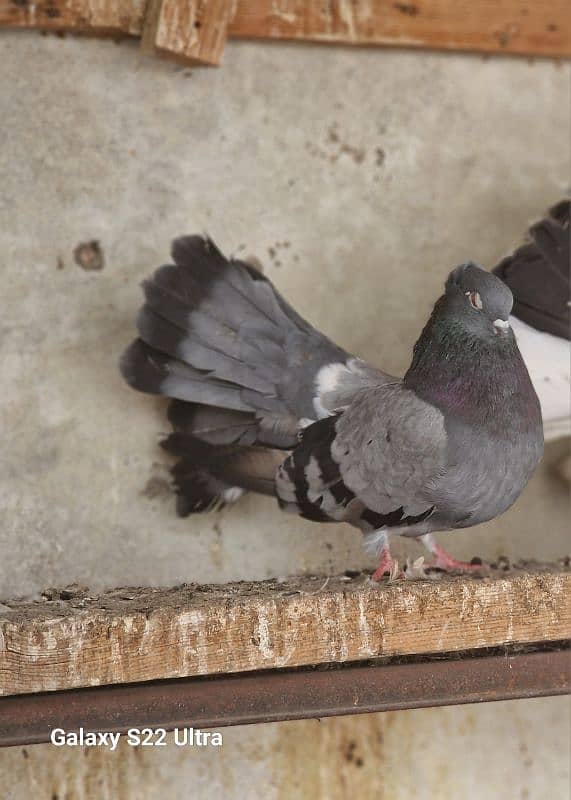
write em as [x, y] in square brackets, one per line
[475, 300]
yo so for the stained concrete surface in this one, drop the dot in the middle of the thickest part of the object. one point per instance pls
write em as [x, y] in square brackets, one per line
[510, 750]
[359, 178]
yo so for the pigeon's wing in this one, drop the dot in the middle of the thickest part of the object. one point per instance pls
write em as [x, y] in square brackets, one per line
[372, 464]
[389, 446]
[538, 274]
[337, 384]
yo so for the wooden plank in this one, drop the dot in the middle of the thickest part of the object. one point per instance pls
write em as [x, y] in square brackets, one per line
[130, 635]
[98, 17]
[524, 27]
[192, 31]
[529, 27]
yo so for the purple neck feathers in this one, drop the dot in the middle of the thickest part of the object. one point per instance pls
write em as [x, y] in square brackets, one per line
[483, 382]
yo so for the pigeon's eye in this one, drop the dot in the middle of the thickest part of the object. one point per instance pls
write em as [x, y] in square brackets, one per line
[475, 300]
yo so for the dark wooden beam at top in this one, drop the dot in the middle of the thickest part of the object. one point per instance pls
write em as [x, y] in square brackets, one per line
[195, 30]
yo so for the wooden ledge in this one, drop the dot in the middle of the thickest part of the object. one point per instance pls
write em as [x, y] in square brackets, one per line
[72, 639]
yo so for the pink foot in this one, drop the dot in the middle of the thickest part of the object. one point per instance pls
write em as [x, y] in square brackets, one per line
[443, 560]
[387, 565]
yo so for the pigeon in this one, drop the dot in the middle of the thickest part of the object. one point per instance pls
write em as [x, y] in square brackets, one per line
[537, 273]
[263, 402]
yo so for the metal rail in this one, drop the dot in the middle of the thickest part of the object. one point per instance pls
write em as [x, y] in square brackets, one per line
[287, 694]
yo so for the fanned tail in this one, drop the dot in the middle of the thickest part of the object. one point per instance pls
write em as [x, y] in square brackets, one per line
[238, 362]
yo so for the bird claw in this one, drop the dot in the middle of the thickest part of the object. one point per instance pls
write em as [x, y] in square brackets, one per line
[444, 561]
[387, 566]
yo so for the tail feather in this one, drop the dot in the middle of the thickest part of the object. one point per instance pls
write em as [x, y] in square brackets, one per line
[216, 332]
[217, 426]
[207, 262]
[225, 426]
[207, 476]
[234, 310]
[538, 274]
[151, 371]
[164, 336]
[218, 335]
[239, 364]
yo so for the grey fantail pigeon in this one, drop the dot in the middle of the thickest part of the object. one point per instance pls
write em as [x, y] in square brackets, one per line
[263, 402]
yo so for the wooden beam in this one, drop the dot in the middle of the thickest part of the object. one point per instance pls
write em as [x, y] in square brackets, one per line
[272, 696]
[97, 17]
[526, 27]
[192, 31]
[130, 635]
[522, 27]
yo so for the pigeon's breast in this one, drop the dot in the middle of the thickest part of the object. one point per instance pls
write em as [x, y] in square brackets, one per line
[486, 474]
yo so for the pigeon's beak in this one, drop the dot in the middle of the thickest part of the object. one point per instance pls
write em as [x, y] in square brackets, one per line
[501, 325]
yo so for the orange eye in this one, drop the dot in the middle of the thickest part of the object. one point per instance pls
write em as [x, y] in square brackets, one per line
[475, 300]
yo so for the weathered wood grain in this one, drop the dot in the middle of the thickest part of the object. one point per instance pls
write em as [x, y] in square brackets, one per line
[130, 635]
[523, 27]
[192, 31]
[532, 27]
[96, 17]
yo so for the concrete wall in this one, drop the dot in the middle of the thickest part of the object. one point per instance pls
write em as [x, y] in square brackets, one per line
[359, 177]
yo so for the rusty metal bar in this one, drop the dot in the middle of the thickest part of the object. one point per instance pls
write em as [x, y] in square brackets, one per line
[284, 695]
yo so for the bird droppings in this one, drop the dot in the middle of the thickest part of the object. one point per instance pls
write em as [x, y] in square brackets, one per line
[89, 256]
[335, 147]
[356, 153]
[275, 254]
[332, 134]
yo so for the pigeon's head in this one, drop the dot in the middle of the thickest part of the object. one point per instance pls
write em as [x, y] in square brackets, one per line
[479, 300]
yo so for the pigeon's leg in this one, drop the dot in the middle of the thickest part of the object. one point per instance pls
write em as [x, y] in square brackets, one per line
[443, 559]
[387, 564]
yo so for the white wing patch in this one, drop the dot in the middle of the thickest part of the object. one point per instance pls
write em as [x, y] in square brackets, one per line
[336, 384]
[232, 494]
[327, 380]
